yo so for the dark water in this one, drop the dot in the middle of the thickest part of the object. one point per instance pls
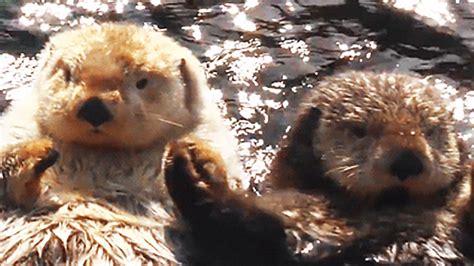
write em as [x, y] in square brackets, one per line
[262, 56]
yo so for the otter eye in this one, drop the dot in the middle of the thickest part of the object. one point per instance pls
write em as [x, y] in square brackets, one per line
[430, 132]
[67, 75]
[359, 131]
[141, 84]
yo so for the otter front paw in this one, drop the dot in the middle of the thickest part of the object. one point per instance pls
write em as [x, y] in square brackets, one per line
[197, 182]
[194, 174]
[21, 168]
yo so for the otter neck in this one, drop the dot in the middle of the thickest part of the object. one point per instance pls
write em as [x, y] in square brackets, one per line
[110, 173]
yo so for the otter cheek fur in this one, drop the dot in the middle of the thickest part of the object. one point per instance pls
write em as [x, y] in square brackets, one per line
[401, 156]
[124, 105]
[107, 99]
[373, 144]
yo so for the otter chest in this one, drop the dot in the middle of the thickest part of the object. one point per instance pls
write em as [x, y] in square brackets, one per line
[131, 179]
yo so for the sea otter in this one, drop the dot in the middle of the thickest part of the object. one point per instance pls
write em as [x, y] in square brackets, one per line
[81, 157]
[372, 172]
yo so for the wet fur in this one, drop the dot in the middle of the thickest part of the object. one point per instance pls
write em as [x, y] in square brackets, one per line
[307, 217]
[103, 200]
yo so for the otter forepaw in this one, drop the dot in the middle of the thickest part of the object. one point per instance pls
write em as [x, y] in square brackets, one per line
[21, 167]
[194, 172]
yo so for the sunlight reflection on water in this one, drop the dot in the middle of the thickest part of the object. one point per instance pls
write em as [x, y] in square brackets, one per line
[437, 10]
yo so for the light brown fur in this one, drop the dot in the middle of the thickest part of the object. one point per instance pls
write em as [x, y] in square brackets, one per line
[107, 64]
[103, 200]
[19, 163]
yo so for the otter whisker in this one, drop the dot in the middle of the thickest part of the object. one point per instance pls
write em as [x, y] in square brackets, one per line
[349, 168]
[159, 118]
[342, 169]
[333, 170]
[351, 175]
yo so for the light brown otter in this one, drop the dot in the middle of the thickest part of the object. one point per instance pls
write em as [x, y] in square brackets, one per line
[371, 172]
[107, 98]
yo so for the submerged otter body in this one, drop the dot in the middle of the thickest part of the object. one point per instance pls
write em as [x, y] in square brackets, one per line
[81, 158]
[372, 172]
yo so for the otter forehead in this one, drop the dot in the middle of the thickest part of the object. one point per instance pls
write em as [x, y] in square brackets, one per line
[379, 97]
[116, 48]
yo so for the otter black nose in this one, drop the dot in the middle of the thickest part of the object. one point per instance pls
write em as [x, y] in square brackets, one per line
[406, 164]
[94, 111]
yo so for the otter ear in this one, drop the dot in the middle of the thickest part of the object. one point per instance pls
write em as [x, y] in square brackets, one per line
[297, 164]
[192, 97]
[309, 121]
[315, 114]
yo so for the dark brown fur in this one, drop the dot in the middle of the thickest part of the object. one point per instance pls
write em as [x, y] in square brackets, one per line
[309, 217]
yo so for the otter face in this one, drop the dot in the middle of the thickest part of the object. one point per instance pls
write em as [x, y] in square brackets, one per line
[117, 86]
[385, 131]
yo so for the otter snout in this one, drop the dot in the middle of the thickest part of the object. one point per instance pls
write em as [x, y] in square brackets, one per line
[406, 164]
[94, 111]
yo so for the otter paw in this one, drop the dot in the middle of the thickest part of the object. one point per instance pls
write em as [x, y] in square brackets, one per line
[21, 168]
[194, 172]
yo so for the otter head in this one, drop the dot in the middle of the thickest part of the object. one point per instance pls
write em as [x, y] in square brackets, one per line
[384, 132]
[117, 86]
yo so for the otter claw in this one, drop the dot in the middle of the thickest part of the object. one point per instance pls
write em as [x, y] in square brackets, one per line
[199, 161]
[51, 157]
[194, 173]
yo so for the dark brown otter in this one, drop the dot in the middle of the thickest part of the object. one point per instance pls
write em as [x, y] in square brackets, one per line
[372, 172]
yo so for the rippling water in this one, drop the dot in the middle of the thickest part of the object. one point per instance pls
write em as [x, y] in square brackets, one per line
[262, 56]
